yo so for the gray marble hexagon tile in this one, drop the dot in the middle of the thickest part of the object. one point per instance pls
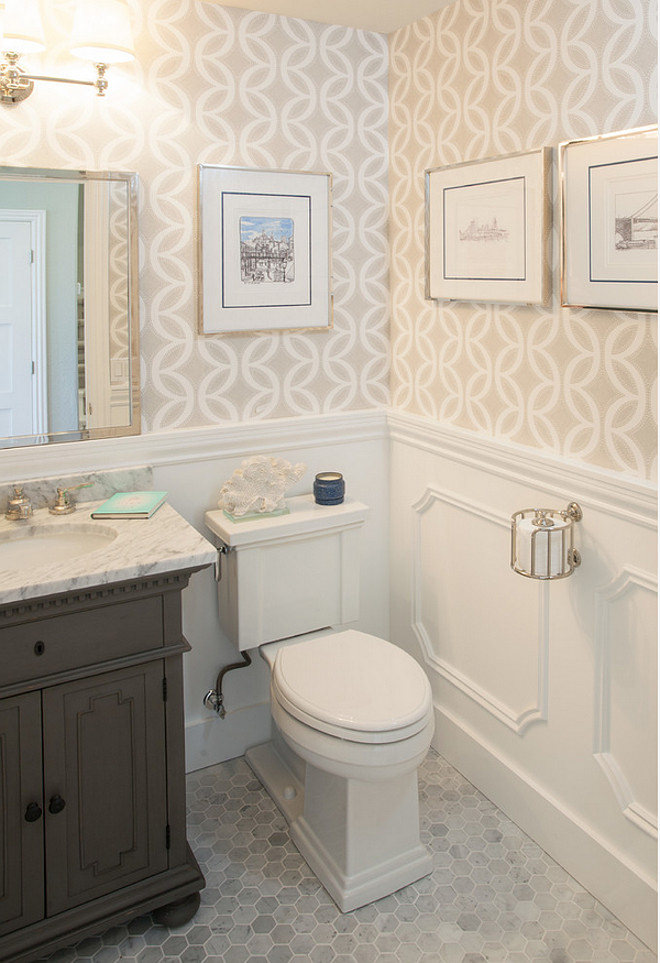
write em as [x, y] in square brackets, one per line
[493, 896]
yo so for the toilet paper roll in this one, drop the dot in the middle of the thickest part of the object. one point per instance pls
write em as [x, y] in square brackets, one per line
[550, 556]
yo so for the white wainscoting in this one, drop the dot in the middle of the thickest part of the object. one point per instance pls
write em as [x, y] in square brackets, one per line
[545, 693]
[191, 465]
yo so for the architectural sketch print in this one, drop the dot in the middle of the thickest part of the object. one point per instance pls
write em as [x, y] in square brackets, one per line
[484, 230]
[267, 249]
[636, 221]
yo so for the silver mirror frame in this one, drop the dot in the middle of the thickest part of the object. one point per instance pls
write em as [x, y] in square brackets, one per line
[47, 175]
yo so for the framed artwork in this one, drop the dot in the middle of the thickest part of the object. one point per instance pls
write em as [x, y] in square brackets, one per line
[609, 204]
[264, 250]
[487, 227]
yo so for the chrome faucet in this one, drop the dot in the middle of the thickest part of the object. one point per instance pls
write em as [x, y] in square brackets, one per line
[65, 505]
[19, 506]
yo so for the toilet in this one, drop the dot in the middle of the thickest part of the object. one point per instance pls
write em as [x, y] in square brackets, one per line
[352, 716]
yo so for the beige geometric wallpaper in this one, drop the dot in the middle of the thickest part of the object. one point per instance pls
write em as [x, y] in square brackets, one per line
[487, 77]
[481, 77]
[220, 85]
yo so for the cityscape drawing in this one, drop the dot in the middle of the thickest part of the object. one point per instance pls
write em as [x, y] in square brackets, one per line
[485, 231]
[636, 221]
[267, 249]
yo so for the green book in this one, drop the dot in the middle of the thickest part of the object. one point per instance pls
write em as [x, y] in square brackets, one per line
[130, 505]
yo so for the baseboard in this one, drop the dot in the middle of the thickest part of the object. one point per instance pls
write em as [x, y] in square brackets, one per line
[215, 740]
[607, 874]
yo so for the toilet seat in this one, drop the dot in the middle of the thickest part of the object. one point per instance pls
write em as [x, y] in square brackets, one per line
[354, 686]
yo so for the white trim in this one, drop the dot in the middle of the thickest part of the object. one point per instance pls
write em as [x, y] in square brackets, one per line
[181, 445]
[37, 221]
[615, 589]
[518, 722]
[605, 871]
[629, 498]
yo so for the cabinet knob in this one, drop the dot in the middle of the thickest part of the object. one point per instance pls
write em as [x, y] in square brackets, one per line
[56, 805]
[33, 812]
[39, 648]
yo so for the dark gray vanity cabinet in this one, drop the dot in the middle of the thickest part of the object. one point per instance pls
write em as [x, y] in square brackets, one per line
[104, 764]
[92, 793]
[21, 807]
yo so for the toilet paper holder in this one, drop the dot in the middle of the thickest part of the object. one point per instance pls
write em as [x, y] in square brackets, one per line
[542, 542]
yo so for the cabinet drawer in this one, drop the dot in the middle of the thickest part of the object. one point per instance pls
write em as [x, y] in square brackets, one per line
[69, 641]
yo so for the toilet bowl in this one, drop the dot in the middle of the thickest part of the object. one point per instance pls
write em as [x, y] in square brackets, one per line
[352, 714]
[357, 712]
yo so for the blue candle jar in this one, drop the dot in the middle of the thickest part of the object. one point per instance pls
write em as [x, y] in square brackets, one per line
[329, 488]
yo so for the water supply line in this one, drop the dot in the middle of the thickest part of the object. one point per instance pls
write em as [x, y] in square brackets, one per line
[213, 699]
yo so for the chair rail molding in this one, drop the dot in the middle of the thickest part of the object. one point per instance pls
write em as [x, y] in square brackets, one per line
[518, 721]
[182, 445]
[624, 496]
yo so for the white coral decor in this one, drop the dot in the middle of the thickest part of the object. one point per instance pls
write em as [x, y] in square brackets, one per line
[259, 485]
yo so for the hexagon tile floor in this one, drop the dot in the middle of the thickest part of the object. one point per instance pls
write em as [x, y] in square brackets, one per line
[493, 896]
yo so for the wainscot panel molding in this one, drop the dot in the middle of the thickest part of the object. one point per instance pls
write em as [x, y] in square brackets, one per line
[544, 692]
[179, 446]
[517, 719]
[610, 645]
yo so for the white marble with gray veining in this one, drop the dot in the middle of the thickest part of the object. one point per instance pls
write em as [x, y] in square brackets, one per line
[134, 548]
[98, 485]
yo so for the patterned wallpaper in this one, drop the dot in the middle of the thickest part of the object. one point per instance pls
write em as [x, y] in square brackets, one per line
[223, 86]
[487, 77]
[480, 77]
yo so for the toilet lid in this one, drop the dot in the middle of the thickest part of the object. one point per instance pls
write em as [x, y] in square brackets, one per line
[352, 681]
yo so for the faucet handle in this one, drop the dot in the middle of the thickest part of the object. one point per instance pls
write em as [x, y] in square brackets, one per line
[19, 506]
[64, 505]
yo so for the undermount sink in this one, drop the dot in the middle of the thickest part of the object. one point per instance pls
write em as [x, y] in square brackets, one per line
[40, 546]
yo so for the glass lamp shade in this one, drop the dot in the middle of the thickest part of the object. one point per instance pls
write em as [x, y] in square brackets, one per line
[22, 27]
[102, 31]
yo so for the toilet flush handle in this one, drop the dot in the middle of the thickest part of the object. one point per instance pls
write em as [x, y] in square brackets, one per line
[222, 550]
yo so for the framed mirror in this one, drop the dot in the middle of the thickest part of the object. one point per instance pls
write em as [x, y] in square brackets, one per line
[69, 326]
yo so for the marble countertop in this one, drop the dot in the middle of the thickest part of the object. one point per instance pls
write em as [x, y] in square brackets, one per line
[127, 548]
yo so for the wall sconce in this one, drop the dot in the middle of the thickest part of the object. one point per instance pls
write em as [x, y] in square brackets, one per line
[101, 33]
[542, 542]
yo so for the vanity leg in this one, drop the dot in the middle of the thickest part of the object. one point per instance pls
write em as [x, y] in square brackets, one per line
[177, 913]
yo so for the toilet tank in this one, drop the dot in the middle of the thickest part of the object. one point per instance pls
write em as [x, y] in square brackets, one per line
[288, 574]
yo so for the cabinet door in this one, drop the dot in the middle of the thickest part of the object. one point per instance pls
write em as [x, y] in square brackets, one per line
[104, 784]
[21, 816]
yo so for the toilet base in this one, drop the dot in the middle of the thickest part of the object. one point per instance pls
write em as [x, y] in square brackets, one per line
[378, 880]
[278, 779]
[361, 839]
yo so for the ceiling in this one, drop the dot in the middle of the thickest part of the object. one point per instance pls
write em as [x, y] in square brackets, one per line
[383, 16]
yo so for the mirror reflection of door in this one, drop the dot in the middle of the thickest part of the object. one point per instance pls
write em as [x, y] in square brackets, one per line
[68, 332]
[23, 397]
